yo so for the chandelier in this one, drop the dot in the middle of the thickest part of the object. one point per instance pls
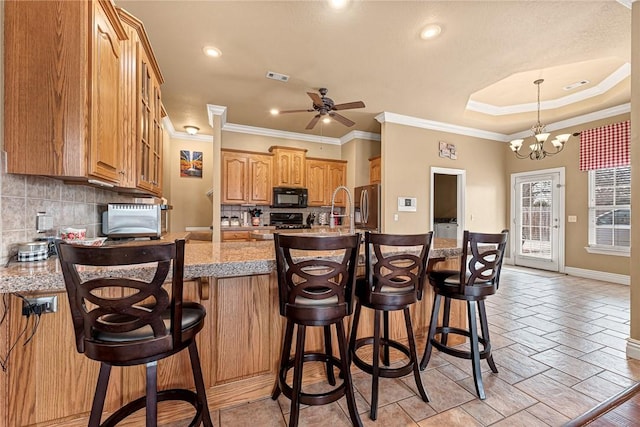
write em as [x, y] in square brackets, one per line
[536, 147]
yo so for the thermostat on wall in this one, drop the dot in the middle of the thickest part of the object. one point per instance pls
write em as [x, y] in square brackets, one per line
[407, 204]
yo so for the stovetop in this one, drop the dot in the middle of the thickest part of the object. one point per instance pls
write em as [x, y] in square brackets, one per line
[286, 220]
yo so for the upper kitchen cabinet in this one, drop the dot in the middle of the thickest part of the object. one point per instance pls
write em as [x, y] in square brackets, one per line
[62, 89]
[246, 178]
[375, 171]
[142, 107]
[289, 166]
[323, 176]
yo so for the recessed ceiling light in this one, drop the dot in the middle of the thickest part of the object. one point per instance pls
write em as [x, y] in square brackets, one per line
[211, 51]
[338, 4]
[191, 130]
[274, 111]
[430, 31]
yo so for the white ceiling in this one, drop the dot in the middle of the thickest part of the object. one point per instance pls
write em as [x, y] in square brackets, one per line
[478, 73]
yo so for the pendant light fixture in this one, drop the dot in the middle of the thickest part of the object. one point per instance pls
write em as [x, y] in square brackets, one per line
[536, 146]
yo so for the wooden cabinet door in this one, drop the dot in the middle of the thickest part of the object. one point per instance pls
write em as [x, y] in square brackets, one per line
[337, 176]
[105, 142]
[375, 171]
[317, 183]
[155, 154]
[235, 177]
[290, 166]
[145, 116]
[297, 169]
[129, 112]
[260, 175]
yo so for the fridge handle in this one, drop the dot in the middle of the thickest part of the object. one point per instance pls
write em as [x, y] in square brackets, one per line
[365, 205]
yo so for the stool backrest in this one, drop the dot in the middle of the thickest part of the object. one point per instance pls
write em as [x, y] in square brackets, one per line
[106, 299]
[481, 261]
[316, 272]
[397, 261]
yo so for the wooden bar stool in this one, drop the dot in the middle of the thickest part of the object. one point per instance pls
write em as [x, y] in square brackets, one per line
[315, 292]
[478, 278]
[123, 321]
[396, 267]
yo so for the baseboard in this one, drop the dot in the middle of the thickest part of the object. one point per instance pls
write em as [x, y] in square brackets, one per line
[633, 348]
[621, 279]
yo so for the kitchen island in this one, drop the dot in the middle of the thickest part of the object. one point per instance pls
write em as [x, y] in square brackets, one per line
[47, 381]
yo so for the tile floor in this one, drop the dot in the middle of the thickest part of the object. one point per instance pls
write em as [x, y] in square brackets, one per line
[558, 342]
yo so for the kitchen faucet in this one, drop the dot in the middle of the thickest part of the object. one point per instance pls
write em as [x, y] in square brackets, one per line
[352, 227]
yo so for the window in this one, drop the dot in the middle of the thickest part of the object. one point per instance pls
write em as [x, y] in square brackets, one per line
[610, 209]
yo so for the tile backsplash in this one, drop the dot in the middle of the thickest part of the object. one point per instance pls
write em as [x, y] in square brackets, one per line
[23, 196]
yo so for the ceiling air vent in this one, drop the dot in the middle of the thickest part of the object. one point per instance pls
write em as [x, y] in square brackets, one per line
[277, 76]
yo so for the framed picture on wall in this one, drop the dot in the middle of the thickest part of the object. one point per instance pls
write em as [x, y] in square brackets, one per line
[191, 163]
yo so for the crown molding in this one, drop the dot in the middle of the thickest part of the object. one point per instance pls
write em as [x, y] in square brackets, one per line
[356, 134]
[252, 130]
[217, 110]
[626, 3]
[623, 72]
[439, 126]
[578, 120]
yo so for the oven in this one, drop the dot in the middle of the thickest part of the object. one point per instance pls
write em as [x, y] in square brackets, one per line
[287, 220]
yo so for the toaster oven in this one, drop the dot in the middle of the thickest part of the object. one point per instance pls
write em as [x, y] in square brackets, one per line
[132, 220]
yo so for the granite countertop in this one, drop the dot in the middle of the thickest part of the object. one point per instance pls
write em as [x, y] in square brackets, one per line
[202, 259]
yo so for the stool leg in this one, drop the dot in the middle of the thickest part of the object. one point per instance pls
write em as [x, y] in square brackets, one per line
[99, 396]
[445, 320]
[199, 382]
[354, 331]
[414, 355]
[152, 394]
[375, 363]
[348, 382]
[475, 349]
[284, 358]
[329, 352]
[432, 331]
[297, 377]
[484, 325]
[385, 341]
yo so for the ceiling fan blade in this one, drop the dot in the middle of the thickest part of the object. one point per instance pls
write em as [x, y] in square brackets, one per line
[316, 99]
[295, 111]
[348, 105]
[341, 119]
[313, 121]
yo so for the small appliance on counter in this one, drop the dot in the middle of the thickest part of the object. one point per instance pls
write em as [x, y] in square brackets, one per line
[122, 220]
[33, 251]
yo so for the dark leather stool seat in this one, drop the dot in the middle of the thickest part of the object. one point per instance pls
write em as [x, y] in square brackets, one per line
[315, 292]
[123, 321]
[478, 277]
[395, 274]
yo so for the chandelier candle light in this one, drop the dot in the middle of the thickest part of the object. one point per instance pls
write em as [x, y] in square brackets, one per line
[537, 147]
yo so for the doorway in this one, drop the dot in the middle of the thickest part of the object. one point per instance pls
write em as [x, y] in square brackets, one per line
[537, 215]
[447, 202]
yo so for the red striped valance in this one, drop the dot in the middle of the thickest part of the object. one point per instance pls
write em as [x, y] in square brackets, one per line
[605, 147]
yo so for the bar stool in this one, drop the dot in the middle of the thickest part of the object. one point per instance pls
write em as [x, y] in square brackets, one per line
[395, 274]
[124, 321]
[316, 286]
[479, 277]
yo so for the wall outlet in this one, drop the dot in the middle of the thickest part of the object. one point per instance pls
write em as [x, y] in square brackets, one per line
[395, 217]
[40, 305]
[44, 222]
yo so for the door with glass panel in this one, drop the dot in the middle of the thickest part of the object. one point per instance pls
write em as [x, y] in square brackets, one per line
[537, 220]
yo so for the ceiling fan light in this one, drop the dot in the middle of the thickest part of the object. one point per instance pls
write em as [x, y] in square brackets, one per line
[430, 31]
[326, 120]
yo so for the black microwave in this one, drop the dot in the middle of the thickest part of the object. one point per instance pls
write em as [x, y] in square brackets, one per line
[284, 197]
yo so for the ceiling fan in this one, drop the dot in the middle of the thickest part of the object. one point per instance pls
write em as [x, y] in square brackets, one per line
[326, 107]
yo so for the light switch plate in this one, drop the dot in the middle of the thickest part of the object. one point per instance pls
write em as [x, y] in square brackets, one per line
[407, 204]
[572, 218]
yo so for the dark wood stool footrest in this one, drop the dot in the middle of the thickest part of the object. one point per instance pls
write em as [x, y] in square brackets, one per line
[163, 395]
[463, 354]
[313, 399]
[385, 371]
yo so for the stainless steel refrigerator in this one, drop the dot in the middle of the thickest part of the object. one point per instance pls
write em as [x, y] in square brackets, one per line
[367, 207]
